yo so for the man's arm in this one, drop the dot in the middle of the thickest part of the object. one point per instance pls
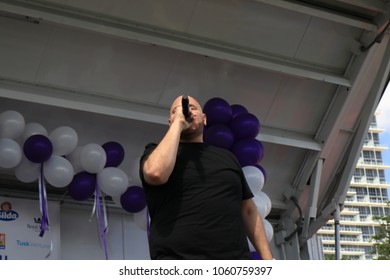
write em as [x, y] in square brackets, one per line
[160, 163]
[255, 229]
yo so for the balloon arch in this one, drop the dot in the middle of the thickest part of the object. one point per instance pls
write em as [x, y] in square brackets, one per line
[93, 170]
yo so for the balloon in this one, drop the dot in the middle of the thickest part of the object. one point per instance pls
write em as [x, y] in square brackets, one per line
[11, 124]
[141, 219]
[93, 158]
[217, 110]
[269, 230]
[254, 177]
[58, 171]
[32, 129]
[248, 151]
[27, 171]
[238, 109]
[64, 140]
[263, 171]
[245, 126]
[263, 204]
[38, 148]
[112, 181]
[133, 200]
[219, 135]
[255, 256]
[74, 159]
[82, 186]
[114, 152]
[10, 153]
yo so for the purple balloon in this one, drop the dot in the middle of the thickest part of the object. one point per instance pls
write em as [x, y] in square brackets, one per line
[114, 152]
[217, 110]
[133, 199]
[248, 151]
[255, 256]
[82, 186]
[219, 135]
[238, 109]
[245, 126]
[38, 148]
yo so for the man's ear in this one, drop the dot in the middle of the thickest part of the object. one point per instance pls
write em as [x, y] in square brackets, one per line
[204, 119]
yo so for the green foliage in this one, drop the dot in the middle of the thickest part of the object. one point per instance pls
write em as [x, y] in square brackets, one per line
[382, 237]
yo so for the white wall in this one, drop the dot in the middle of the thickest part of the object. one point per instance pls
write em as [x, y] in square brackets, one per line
[80, 235]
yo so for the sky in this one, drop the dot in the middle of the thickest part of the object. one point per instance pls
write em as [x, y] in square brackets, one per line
[383, 121]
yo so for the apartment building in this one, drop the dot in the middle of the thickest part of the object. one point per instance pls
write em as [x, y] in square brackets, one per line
[365, 199]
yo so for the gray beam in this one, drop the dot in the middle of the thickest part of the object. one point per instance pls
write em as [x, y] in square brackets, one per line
[125, 108]
[180, 41]
[320, 12]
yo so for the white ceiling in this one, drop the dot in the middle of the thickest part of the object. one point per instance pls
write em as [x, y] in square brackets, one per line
[311, 71]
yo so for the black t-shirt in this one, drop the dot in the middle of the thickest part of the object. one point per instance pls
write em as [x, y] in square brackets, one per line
[196, 214]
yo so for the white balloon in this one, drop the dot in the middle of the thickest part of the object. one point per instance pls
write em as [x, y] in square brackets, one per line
[250, 245]
[10, 153]
[93, 158]
[263, 204]
[32, 129]
[141, 219]
[254, 177]
[11, 124]
[269, 230]
[74, 159]
[64, 140]
[27, 171]
[112, 181]
[58, 171]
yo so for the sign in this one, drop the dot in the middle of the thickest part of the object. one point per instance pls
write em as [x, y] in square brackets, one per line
[20, 222]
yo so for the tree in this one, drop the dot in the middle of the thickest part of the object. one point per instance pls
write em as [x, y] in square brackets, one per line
[382, 237]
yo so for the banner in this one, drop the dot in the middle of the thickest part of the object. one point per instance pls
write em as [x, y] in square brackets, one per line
[20, 226]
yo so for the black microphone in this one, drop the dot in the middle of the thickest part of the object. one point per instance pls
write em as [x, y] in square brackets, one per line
[185, 103]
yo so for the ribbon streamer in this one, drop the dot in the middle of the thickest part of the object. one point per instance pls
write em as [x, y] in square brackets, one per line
[148, 222]
[43, 202]
[100, 220]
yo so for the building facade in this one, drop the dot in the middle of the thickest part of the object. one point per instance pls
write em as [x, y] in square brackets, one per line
[366, 198]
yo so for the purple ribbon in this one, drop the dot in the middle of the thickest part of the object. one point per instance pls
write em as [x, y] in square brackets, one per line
[100, 220]
[148, 222]
[43, 203]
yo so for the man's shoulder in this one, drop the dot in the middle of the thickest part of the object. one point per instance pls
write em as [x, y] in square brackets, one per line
[150, 145]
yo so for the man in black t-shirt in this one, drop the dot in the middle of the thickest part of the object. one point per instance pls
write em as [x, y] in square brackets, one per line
[199, 201]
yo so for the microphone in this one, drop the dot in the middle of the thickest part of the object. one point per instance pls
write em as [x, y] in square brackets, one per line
[185, 103]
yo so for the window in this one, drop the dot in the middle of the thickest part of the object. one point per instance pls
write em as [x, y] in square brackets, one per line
[378, 156]
[375, 136]
[377, 211]
[368, 157]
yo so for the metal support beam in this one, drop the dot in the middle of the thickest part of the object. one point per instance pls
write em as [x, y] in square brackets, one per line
[125, 108]
[311, 210]
[154, 35]
[373, 5]
[288, 138]
[337, 245]
[320, 12]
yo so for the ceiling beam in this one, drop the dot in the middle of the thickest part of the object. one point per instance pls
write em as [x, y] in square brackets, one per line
[125, 108]
[373, 5]
[288, 138]
[321, 12]
[121, 28]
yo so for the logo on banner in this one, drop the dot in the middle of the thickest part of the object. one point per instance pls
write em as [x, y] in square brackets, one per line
[6, 212]
[2, 241]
